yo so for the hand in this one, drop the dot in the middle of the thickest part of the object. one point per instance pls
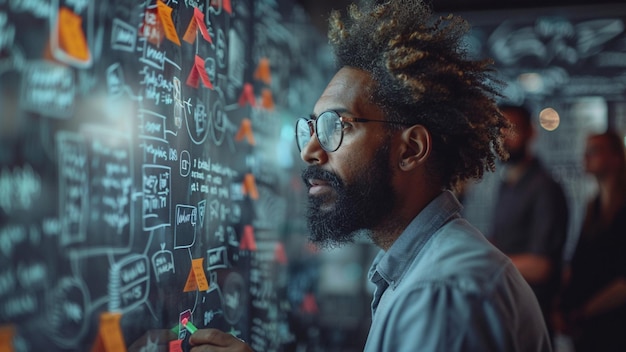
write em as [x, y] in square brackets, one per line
[214, 340]
[153, 340]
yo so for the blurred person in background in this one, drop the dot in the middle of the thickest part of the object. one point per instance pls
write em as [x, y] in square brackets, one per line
[530, 219]
[593, 302]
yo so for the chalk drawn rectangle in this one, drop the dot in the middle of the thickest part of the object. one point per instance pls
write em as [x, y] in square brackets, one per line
[73, 186]
[48, 89]
[185, 229]
[153, 56]
[156, 196]
[129, 282]
[123, 36]
[216, 258]
[152, 125]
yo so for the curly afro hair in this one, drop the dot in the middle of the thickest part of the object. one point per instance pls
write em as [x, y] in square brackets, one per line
[424, 77]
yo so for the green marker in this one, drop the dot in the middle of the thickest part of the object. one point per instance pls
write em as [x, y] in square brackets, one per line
[189, 326]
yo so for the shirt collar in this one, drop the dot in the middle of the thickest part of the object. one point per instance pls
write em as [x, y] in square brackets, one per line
[393, 264]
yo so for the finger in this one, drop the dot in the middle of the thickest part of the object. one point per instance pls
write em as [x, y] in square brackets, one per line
[213, 337]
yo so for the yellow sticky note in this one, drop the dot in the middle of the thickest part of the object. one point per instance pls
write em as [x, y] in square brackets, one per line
[71, 37]
[165, 17]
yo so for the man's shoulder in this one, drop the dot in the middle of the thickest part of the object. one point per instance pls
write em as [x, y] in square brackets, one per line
[458, 254]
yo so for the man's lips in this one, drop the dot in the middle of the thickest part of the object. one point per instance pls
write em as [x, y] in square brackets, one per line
[317, 186]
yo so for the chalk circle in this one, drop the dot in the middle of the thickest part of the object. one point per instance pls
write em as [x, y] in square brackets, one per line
[234, 292]
[67, 309]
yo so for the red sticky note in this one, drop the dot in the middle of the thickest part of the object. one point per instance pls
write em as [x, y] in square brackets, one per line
[151, 27]
[280, 254]
[309, 304]
[197, 73]
[225, 5]
[248, 243]
[197, 23]
[176, 346]
[247, 95]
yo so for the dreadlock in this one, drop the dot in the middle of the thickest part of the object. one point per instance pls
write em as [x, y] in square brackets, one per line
[423, 77]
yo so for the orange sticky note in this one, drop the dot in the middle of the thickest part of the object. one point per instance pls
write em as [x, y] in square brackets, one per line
[197, 23]
[245, 131]
[262, 72]
[197, 278]
[6, 338]
[249, 186]
[176, 346]
[247, 95]
[267, 100]
[248, 243]
[197, 73]
[165, 17]
[110, 338]
[71, 36]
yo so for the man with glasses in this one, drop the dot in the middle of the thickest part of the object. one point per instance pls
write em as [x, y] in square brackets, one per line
[406, 119]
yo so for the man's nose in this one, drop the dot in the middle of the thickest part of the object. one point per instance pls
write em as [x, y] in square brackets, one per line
[313, 153]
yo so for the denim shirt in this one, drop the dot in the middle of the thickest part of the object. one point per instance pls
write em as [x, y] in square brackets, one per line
[443, 287]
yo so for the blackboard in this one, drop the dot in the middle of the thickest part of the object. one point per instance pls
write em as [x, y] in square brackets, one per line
[147, 169]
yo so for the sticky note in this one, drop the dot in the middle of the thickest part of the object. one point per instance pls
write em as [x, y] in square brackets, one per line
[309, 304]
[245, 131]
[6, 338]
[71, 36]
[262, 72]
[249, 186]
[197, 23]
[151, 27]
[225, 5]
[176, 346]
[197, 278]
[247, 95]
[165, 17]
[197, 73]
[280, 255]
[267, 100]
[110, 337]
[247, 243]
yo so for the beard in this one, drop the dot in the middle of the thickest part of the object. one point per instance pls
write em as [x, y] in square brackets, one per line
[360, 205]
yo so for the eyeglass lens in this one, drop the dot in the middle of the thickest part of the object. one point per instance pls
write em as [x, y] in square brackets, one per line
[328, 127]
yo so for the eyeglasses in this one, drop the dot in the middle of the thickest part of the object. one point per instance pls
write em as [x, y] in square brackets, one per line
[328, 128]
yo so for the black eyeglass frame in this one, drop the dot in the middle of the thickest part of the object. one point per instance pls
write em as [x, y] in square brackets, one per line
[313, 129]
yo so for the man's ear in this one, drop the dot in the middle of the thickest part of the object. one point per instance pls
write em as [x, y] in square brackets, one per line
[416, 147]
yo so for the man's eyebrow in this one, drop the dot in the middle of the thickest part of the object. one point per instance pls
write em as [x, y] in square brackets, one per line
[339, 111]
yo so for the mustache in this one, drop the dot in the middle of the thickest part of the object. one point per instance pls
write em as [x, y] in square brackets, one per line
[316, 172]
